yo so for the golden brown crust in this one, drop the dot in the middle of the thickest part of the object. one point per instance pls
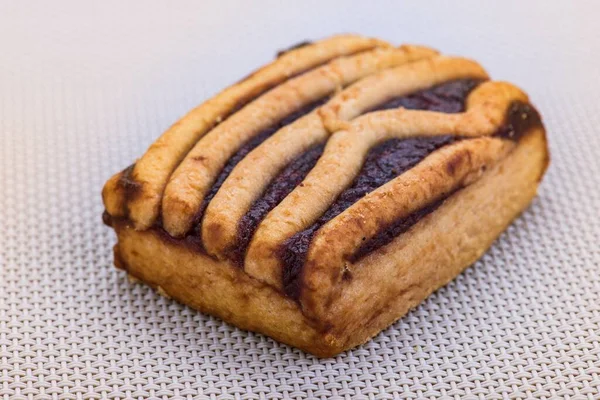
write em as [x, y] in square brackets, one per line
[385, 85]
[215, 287]
[113, 196]
[431, 179]
[193, 178]
[404, 272]
[251, 176]
[441, 245]
[343, 158]
[471, 189]
[154, 168]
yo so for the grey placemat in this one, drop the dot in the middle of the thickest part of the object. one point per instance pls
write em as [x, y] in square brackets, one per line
[85, 88]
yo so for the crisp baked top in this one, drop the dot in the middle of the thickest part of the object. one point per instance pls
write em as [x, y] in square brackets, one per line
[321, 158]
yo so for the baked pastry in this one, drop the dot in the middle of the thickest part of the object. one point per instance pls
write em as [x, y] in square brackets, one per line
[324, 195]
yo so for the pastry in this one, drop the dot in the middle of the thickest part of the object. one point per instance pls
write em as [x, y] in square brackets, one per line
[323, 196]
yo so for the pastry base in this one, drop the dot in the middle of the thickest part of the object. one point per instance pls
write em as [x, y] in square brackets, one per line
[425, 258]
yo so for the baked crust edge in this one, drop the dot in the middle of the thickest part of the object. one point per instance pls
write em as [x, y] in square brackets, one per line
[225, 291]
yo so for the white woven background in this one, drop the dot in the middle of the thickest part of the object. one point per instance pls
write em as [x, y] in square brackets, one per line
[85, 89]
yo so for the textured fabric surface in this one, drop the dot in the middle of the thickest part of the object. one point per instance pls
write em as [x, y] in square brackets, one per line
[85, 89]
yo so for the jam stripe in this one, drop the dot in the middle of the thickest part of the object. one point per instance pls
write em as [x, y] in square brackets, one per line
[154, 168]
[252, 174]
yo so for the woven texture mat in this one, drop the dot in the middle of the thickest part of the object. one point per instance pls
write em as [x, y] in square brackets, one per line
[85, 89]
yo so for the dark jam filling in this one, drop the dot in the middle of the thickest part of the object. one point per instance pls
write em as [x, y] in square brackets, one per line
[129, 186]
[382, 164]
[392, 231]
[293, 47]
[250, 145]
[520, 118]
[132, 187]
[448, 97]
[280, 187]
